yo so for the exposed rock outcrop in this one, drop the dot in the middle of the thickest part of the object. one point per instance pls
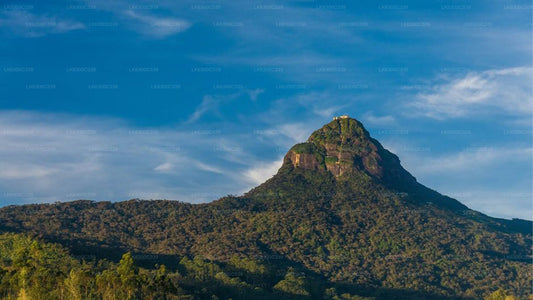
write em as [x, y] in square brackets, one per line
[343, 146]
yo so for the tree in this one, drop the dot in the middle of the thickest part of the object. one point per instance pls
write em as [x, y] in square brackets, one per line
[500, 294]
[127, 271]
[73, 285]
[293, 283]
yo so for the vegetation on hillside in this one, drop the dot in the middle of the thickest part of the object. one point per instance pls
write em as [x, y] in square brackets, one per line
[30, 269]
[303, 234]
[347, 233]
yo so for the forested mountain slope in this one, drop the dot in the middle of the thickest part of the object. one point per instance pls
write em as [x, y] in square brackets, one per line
[340, 216]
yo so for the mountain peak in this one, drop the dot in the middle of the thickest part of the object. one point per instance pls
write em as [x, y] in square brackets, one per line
[341, 129]
[344, 146]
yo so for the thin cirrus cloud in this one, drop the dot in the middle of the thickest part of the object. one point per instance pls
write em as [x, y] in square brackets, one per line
[483, 178]
[23, 23]
[211, 103]
[259, 173]
[50, 157]
[156, 26]
[26, 24]
[483, 92]
[458, 163]
[374, 120]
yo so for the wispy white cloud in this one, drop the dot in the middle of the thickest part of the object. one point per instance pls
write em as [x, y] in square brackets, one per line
[255, 93]
[371, 119]
[164, 167]
[488, 179]
[469, 159]
[487, 92]
[24, 23]
[53, 157]
[211, 103]
[209, 168]
[296, 132]
[23, 171]
[286, 62]
[499, 203]
[311, 107]
[262, 171]
[156, 26]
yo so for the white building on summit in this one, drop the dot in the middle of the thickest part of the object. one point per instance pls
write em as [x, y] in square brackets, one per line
[341, 117]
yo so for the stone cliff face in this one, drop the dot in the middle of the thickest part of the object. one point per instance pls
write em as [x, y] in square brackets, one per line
[344, 146]
[303, 160]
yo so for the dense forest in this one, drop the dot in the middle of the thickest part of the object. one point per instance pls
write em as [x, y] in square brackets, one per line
[30, 269]
[34, 270]
[340, 220]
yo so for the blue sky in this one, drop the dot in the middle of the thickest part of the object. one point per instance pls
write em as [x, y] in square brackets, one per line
[193, 100]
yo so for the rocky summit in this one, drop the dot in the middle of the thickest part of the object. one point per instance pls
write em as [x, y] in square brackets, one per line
[344, 146]
[345, 149]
